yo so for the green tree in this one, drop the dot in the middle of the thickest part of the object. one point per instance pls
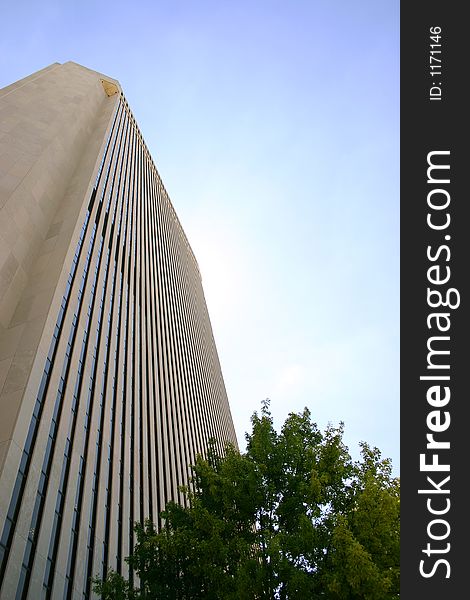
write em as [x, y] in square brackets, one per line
[293, 517]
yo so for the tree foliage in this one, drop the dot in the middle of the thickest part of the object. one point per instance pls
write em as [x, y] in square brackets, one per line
[293, 517]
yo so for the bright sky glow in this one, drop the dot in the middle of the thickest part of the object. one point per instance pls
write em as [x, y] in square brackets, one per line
[275, 128]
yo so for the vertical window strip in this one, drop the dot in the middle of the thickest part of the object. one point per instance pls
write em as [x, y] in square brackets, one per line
[111, 164]
[188, 347]
[144, 398]
[161, 392]
[90, 405]
[155, 337]
[138, 342]
[137, 434]
[148, 345]
[186, 406]
[41, 492]
[211, 352]
[132, 425]
[179, 442]
[196, 365]
[62, 491]
[146, 332]
[122, 437]
[174, 233]
[114, 377]
[164, 384]
[171, 398]
[75, 530]
[186, 333]
[161, 416]
[204, 355]
[83, 456]
[126, 255]
[192, 400]
[187, 454]
[176, 316]
[102, 402]
[192, 357]
[198, 396]
[200, 361]
[118, 109]
[210, 412]
[139, 401]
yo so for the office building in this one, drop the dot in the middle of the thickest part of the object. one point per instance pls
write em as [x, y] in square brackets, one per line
[110, 383]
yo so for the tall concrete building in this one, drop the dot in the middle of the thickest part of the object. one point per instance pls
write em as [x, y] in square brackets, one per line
[110, 382]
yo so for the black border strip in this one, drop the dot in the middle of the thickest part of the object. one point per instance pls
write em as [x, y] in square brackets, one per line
[434, 253]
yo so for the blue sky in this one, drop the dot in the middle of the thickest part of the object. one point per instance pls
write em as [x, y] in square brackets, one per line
[275, 128]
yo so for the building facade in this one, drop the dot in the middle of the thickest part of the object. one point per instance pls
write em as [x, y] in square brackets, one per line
[110, 383]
